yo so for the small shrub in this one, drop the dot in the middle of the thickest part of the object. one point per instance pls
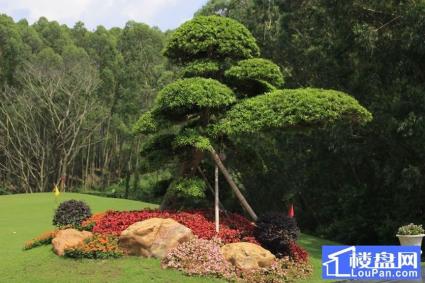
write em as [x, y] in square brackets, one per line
[4, 191]
[97, 247]
[71, 212]
[411, 229]
[275, 232]
[199, 257]
[41, 240]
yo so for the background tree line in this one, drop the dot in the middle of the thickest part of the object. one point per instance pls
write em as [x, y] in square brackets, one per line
[69, 97]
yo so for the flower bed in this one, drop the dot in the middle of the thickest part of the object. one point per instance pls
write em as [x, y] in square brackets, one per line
[202, 255]
[204, 258]
[199, 257]
[97, 247]
[296, 253]
[233, 227]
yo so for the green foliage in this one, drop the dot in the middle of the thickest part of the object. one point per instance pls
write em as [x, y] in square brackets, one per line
[71, 212]
[257, 69]
[212, 37]
[189, 188]
[190, 137]
[201, 68]
[411, 229]
[186, 96]
[291, 108]
[4, 191]
[47, 60]
[157, 151]
[12, 48]
[262, 18]
[141, 69]
[146, 124]
[53, 34]
[41, 240]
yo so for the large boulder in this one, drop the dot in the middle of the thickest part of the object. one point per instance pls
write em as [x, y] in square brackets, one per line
[68, 238]
[247, 255]
[153, 237]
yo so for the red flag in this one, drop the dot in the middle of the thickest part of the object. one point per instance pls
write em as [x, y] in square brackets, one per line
[291, 212]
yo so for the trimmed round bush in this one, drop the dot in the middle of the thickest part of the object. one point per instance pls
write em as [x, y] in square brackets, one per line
[186, 96]
[191, 138]
[276, 232]
[211, 37]
[71, 212]
[147, 124]
[291, 108]
[201, 68]
[256, 69]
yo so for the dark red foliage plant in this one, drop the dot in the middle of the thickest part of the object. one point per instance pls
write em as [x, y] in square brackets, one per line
[233, 227]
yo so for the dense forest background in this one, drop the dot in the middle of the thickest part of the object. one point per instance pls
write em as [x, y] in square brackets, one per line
[70, 98]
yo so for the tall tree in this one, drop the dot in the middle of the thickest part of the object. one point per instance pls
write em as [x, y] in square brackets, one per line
[222, 94]
[11, 51]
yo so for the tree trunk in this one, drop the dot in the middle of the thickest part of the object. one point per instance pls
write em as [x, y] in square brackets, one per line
[127, 184]
[233, 185]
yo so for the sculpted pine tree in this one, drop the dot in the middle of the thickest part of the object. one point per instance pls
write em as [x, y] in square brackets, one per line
[225, 90]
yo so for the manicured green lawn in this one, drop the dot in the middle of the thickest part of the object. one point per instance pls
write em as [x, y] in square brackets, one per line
[23, 217]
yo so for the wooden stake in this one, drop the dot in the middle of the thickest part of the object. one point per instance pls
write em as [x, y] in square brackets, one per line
[216, 203]
[232, 184]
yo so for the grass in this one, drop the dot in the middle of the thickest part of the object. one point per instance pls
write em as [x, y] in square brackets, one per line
[22, 217]
[314, 247]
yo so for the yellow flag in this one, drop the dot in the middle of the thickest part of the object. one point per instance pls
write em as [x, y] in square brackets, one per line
[56, 191]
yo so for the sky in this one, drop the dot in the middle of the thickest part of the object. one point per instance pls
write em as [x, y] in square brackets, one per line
[165, 14]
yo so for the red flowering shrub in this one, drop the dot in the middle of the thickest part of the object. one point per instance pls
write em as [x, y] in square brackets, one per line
[233, 227]
[90, 222]
[297, 254]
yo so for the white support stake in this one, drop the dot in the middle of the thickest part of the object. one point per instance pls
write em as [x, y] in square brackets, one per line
[216, 202]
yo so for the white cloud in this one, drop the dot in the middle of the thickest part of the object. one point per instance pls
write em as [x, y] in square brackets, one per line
[104, 12]
[55, 10]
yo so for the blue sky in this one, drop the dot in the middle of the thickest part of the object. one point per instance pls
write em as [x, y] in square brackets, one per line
[166, 14]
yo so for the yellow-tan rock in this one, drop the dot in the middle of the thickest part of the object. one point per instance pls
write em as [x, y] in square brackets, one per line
[153, 237]
[68, 238]
[247, 255]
